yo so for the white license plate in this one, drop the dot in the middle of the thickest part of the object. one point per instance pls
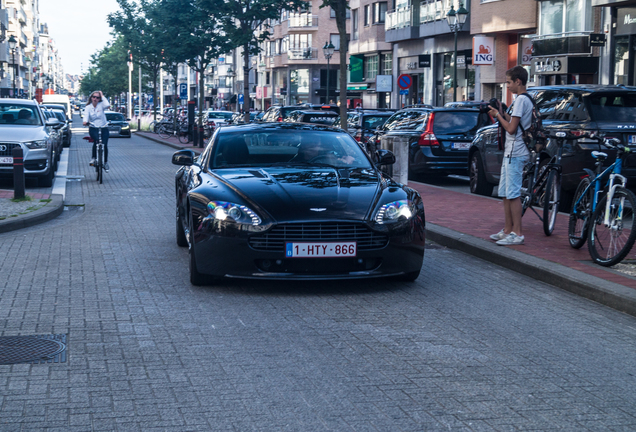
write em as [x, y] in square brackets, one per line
[461, 146]
[6, 160]
[631, 139]
[321, 250]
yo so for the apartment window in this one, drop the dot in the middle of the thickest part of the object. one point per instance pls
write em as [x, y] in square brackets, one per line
[354, 24]
[379, 12]
[370, 67]
[367, 15]
[300, 41]
[560, 16]
[347, 14]
[386, 65]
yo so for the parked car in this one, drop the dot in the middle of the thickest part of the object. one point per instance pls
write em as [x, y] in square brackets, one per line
[606, 110]
[362, 123]
[219, 118]
[117, 124]
[239, 118]
[310, 116]
[438, 138]
[23, 124]
[56, 133]
[278, 113]
[297, 202]
[65, 129]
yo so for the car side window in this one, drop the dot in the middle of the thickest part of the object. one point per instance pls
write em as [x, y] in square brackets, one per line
[547, 102]
[412, 120]
[571, 108]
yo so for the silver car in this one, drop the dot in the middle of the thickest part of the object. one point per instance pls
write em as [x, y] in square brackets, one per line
[23, 124]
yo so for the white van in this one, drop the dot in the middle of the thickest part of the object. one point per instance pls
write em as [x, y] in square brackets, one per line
[60, 100]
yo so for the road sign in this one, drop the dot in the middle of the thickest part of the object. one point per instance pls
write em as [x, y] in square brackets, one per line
[404, 92]
[404, 81]
[240, 98]
[183, 91]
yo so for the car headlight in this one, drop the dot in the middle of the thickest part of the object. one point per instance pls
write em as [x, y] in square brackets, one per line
[394, 211]
[125, 127]
[36, 144]
[227, 211]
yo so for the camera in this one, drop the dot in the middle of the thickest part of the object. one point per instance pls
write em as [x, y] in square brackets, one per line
[492, 103]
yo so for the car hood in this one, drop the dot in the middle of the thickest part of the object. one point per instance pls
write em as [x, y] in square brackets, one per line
[307, 194]
[21, 133]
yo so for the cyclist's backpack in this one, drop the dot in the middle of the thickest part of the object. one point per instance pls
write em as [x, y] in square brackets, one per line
[534, 137]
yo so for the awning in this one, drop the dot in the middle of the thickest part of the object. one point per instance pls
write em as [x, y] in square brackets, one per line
[358, 87]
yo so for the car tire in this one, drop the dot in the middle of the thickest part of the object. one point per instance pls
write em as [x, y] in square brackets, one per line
[47, 179]
[478, 183]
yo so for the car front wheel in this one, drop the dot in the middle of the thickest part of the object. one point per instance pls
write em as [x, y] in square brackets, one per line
[478, 183]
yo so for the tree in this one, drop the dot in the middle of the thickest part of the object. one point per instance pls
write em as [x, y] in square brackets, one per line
[340, 8]
[142, 36]
[242, 20]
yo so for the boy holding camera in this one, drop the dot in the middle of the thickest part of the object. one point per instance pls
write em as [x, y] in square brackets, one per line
[516, 155]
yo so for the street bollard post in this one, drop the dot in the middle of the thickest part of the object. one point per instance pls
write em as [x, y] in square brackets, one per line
[191, 106]
[18, 172]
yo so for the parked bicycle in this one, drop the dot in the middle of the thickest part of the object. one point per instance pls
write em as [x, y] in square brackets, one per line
[541, 185]
[167, 129]
[603, 209]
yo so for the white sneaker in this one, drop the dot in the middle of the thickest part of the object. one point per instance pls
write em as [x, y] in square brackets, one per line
[499, 236]
[106, 168]
[511, 240]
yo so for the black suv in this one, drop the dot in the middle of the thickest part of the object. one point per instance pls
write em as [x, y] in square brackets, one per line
[438, 138]
[599, 109]
[362, 123]
[311, 116]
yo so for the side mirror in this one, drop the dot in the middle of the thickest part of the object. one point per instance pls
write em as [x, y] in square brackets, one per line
[384, 157]
[51, 122]
[183, 157]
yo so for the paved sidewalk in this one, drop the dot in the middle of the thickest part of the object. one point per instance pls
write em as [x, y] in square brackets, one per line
[465, 222]
[28, 213]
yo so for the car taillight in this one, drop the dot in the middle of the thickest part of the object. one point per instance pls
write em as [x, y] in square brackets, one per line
[280, 119]
[358, 137]
[428, 138]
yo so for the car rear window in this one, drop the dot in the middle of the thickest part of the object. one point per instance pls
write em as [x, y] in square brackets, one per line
[373, 121]
[613, 107]
[115, 117]
[458, 122]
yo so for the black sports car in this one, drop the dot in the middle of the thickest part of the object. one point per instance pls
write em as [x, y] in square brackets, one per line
[294, 201]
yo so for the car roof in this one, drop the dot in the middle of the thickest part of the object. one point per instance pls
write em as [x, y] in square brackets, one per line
[585, 87]
[18, 101]
[281, 125]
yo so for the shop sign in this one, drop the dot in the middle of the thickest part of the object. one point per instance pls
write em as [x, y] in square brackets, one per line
[483, 50]
[384, 83]
[626, 21]
[554, 65]
[424, 60]
[356, 71]
[411, 65]
[526, 52]
[597, 39]
[461, 61]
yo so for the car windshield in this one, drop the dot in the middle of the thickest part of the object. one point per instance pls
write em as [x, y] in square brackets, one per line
[220, 115]
[11, 113]
[613, 107]
[115, 117]
[59, 115]
[458, 122]
[373, 121]
[280, 147]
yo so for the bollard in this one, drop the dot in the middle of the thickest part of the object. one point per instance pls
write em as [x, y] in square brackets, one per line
[191, 106]
[18, 172]
[400, 147]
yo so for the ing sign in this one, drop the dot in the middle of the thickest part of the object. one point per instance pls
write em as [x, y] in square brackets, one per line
[483, 50]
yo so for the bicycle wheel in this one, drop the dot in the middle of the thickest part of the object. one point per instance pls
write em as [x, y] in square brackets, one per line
[164, 131]
[609, 245]
[551, 201]
[100, 164]
[579, 216]
[183, 137]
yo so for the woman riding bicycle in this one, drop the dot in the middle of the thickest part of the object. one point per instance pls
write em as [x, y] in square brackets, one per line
[95, 117]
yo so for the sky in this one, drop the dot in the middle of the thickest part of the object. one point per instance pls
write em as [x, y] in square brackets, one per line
[79, 29]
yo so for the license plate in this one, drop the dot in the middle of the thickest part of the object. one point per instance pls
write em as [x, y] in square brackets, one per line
[631, 139]
[321, 250]
[6, 160]
[461, 145]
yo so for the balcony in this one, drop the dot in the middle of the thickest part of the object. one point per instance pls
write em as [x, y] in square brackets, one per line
[432, 10]
[400, 25]
[302, 54]
[302, 22]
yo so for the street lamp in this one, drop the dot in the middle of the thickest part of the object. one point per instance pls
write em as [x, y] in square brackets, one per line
[328, 50]
[262, 67]
[13, 42]
[231, 75]
[456, 21]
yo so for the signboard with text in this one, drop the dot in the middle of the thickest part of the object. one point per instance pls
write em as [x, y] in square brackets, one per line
[526, 52]
[483, 50]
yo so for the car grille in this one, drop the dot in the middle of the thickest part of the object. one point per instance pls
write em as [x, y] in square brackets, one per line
[7, 148]
[275, 239]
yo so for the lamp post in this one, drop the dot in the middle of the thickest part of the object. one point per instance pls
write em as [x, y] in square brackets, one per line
[13, 42]
[456, 21]
[262, 67]
[328, 50]
[231, 75]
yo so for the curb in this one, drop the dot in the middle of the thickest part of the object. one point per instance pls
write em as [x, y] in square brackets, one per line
[593, 288]
[50, 211]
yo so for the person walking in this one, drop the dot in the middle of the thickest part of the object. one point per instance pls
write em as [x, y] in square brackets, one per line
[516, 155]
[95, 119]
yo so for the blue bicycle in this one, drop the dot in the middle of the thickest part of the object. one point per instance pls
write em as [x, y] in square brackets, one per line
[603, 209]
